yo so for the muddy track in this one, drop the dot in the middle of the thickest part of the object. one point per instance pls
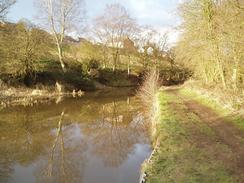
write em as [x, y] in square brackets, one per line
[225, 133]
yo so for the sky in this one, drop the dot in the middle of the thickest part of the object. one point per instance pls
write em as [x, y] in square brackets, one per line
[160, 14]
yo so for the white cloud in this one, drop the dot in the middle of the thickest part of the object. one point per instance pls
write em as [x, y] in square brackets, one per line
[173, 34]
[159, 14]
[151, 11]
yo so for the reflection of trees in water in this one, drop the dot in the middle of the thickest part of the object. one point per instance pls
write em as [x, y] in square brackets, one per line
[6, 169]
[65, 162]
[27, 128]
[18, 144]
[114, 136]
[59, 136]
[25, 139]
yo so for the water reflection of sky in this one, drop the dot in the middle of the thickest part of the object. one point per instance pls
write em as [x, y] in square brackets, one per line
[107, 145]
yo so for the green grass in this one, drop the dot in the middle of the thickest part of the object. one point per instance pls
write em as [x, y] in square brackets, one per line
[236, 119]
[178, 159]
[206, 101]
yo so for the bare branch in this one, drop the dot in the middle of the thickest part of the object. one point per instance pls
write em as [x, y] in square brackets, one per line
[4, 7]
[61, 17]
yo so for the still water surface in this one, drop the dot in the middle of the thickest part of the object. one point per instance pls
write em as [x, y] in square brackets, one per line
[98, 138]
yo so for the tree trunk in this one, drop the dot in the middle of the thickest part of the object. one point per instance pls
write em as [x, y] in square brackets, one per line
[222, 76]
[206, 76]
[223, 79]
[128, 67]
[114, 68]
[115, 60]
[60, 56]
[104, 63]
[220, 64]
[235, 74]
[104, 59]
[234, 78]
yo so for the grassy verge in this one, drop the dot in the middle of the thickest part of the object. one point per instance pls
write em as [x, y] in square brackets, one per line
[178, 157]
[235, 117]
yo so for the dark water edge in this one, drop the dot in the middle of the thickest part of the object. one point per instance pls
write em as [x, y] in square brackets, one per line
[99, 137]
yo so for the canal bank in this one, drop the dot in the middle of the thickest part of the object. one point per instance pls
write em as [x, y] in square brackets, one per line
[194, 142]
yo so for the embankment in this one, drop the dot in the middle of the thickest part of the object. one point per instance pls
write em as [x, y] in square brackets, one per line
[194, 142]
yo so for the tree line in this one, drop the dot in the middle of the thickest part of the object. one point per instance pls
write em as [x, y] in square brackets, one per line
[116, 41]
[212, 41]
[210, 45]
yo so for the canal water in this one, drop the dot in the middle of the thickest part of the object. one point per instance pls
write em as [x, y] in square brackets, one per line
[98, 138]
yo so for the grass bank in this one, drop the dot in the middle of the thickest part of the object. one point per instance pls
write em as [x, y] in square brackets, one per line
[188, 150]
[14, 90]
[233, 115]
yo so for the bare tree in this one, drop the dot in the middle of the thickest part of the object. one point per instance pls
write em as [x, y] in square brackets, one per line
[129, 50]
[4, 7]
[153, 46]
[211, 42]
[61, 17]
[113, 27]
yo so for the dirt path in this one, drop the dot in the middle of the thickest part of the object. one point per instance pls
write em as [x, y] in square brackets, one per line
[225, 134]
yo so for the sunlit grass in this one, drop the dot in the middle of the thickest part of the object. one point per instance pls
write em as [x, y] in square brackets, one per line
[208, 101]
[205, 100]
[177, 159]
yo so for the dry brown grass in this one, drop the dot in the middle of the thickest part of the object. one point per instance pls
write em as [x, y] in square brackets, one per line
[228, 99]
[12, 96]
[148, 94]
